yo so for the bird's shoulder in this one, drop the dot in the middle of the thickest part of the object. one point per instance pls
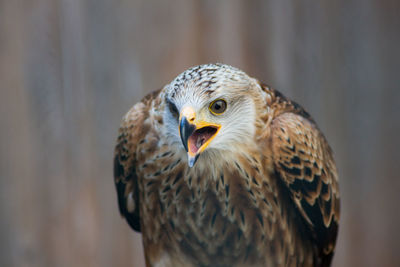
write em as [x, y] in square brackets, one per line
[135, 125]
[303, 164]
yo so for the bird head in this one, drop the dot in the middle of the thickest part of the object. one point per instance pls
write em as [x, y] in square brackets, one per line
[211, 107]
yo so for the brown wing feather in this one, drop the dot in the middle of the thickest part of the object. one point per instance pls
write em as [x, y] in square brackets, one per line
[131, 132]
[303, 160]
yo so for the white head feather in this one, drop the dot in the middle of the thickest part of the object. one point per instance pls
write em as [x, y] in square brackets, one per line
[199, 86]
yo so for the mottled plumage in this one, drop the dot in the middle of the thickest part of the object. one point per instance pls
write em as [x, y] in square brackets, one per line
[253, 185]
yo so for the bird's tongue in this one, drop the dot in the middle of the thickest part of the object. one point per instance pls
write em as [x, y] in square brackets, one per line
[199, 137]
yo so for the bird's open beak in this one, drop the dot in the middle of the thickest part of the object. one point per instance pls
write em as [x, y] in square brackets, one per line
[196, 135]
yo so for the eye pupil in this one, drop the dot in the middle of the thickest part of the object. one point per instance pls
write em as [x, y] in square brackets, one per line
[218, 106]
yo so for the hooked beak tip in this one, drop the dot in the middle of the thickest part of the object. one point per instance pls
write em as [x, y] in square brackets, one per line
[192, 160]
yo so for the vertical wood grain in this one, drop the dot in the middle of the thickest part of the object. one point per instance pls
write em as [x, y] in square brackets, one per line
[70, 69]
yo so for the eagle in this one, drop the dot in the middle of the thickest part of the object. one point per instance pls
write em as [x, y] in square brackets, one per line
[219, 169]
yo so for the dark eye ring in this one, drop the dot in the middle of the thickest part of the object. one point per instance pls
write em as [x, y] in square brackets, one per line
[218, 106]
[172, 107]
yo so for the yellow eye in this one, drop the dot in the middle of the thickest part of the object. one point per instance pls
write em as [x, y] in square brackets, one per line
[218, 106]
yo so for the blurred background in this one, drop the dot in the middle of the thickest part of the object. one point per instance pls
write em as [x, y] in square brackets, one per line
[70, 69]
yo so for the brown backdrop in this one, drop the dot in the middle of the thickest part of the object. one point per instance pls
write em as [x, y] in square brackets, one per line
[69, 70]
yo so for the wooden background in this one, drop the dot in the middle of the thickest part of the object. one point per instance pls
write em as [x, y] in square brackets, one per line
[69, 70]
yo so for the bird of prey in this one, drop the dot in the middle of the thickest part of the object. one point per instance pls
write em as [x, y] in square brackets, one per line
[218, 169]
